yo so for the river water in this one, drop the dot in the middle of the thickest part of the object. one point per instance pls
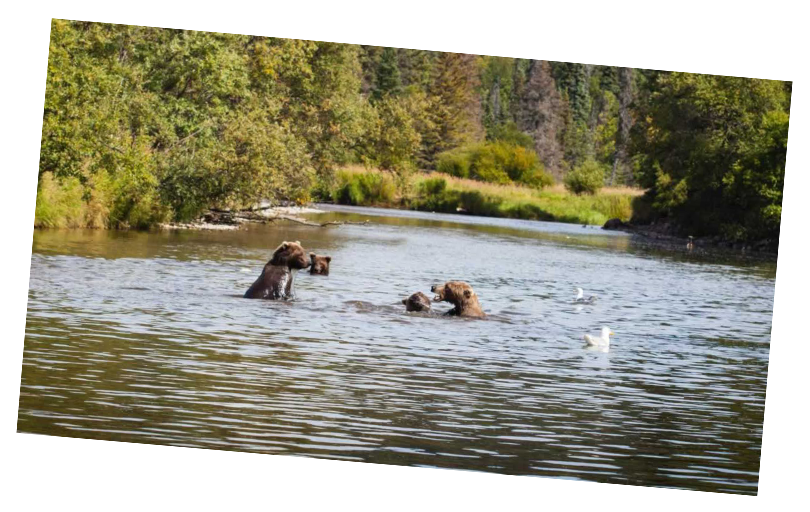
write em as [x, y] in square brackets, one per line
[144, 337]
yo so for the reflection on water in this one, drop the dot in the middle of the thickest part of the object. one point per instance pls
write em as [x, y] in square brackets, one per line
[143, 337]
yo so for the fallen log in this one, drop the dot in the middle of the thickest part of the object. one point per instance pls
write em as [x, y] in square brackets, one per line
[215, 216]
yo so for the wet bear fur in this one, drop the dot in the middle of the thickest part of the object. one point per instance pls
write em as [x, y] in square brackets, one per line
[276, 279]
[461, 296]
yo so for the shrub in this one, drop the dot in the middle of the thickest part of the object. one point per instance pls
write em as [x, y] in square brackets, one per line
[59, 203]
[588, 178]
[510, 134]
[432, 195]
[364, 188]
[495, 162]
[488, 165]
[455, 163]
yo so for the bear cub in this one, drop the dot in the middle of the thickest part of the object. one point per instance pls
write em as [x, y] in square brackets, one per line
[319, 264]
[417, 302]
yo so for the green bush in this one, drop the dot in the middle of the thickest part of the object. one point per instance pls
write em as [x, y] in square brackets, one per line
[588, 178]
[498, 162]
[59, 203]
[455, 163]
[510, 134]
[488, 165]
[364, 189]
[432, 195]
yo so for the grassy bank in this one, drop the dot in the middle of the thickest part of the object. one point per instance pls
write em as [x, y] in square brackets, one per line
[442, 193]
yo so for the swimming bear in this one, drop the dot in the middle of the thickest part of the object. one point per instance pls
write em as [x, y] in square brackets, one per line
[461, 296]
[276, 279]
[417, 302]
[319, 264]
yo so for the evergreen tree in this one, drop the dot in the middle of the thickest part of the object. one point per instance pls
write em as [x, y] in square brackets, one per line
[456, 112]
[620, 164]
[540, 114]
[388, 79]
[416, 67]
[369, 57]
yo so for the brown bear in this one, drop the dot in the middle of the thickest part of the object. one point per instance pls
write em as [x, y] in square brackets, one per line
[460, 295]
[417, 302]
[319, 264]
[276, 279]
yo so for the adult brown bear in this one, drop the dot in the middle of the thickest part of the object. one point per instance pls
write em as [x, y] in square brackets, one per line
[461, 295]
[276, 279]
[319, 265]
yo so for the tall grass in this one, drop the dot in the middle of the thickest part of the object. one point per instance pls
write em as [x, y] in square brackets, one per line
[98, 202]
[442, 193]
[359, 187]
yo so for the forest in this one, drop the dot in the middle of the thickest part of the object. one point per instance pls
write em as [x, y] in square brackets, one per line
[148, 125]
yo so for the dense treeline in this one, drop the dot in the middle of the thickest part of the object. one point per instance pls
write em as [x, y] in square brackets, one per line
[144, 125]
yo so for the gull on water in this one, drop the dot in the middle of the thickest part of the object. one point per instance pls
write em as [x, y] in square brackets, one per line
[602, 342]
[581, 298]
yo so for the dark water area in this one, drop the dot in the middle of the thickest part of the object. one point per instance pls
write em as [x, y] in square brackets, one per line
[144, 337]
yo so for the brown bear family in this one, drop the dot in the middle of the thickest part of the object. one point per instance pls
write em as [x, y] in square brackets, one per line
[278, 275]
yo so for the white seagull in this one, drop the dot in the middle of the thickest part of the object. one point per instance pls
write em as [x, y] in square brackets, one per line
[602, 342]
[581, 298]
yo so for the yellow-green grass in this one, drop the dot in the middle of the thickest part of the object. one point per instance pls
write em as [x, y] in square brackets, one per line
[444, 193]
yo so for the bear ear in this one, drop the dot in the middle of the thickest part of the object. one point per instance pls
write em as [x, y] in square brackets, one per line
[328, 259]
[285, 244]
[312, 255]
[467, 294]
[297, 242]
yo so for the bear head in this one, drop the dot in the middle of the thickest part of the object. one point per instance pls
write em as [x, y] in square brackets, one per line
[319, 264]
[417, 302]
[461, 295]
[290, 254]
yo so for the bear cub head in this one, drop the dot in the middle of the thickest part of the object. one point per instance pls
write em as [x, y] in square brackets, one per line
[417, 302]
[319, 264]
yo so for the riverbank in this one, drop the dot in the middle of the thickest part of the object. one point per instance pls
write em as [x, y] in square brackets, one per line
[435, 192]
[665, 234]
[217, 220]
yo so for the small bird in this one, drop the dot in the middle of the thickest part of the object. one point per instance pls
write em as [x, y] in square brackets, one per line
[602, 342]
[690, 244]
[581, 297]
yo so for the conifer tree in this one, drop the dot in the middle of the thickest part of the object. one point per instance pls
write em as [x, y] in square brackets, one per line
[541, 114]
[388, 79]
[625, 122]
[456, 114]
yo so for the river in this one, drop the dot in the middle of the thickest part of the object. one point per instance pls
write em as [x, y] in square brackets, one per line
[144, 337]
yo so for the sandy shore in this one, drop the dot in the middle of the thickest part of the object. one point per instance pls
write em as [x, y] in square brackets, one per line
[199, 226]
[268, 213]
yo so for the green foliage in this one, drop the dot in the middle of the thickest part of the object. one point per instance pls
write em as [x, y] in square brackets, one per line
[59, 203]
[451, 195]
[143, 125]
[510, 134]
[495, 162]
[712, 152]
[587, 178]
[455, 113]
[455, 162]
[389, 81]
[364, 188]
[393, 127]
[176, 121]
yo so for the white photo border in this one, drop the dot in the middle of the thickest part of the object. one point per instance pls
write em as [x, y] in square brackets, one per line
[203, 22]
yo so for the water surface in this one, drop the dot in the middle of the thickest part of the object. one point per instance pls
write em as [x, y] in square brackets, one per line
[144, 337]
